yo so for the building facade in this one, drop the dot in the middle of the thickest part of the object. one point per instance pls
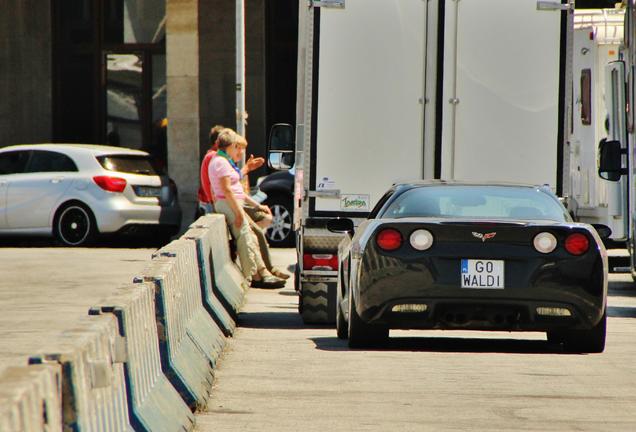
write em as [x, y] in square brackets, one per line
[147, 74]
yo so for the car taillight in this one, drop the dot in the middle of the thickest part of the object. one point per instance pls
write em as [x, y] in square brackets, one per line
[110, 184]
[320, 262]
[577, 244]
[389, 239]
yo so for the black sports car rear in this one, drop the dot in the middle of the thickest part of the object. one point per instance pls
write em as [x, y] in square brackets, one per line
[481, 257]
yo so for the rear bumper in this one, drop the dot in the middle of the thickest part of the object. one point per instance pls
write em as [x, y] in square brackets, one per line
[493, 314]
[114, 214]
[579, 287]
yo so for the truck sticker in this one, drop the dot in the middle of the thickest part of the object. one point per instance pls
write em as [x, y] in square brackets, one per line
[354, 203]
[326, 183]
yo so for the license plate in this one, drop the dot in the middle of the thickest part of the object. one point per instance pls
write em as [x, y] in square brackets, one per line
[482, 274]
[148, 191]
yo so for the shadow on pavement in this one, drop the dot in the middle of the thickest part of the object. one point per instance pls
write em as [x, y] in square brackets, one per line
[445, 344]
[621, 311]
[275, 320]
[628, 290]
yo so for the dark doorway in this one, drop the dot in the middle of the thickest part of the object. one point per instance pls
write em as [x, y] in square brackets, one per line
[110, 73]
[281, 54]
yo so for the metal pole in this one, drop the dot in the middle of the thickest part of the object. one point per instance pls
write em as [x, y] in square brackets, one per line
[241, 115]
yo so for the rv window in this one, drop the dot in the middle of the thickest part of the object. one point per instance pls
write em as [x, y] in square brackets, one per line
[586, 96]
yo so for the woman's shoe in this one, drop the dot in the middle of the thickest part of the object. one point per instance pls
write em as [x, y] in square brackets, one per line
[279, 273]
[268, 281]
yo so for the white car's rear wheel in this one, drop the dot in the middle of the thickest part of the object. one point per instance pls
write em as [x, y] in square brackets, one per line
[74, 225]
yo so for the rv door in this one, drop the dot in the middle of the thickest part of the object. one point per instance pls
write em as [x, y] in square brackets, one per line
[616, 101]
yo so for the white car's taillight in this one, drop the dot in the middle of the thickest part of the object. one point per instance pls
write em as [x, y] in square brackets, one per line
[110, 184]
[421, 239]
[545, 242]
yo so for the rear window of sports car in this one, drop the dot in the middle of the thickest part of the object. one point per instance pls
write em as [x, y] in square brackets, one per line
[132, 164]
[476, 202]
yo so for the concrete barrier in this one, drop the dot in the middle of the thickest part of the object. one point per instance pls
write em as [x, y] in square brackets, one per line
[91, 357]
[209, 290]
[229, 284]
[30, 399]
[190, 341]
[153, 403]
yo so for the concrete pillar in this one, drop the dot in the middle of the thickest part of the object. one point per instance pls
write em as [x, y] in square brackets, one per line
[25, 72]
[217, 69]
[182, 52]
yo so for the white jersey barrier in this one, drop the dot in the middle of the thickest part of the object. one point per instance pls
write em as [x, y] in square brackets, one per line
[91, 356]
[30, 399]
[189, 339]
[209, 290]
[147, 354]
[153, 402]
[229, 284]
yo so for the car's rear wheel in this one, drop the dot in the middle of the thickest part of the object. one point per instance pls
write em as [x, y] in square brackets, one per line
[582, 341]
[342, 328]
[362, 334]
[74, 225]
[281, 232]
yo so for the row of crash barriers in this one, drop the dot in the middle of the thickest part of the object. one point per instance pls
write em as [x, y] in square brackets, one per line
[142, 359]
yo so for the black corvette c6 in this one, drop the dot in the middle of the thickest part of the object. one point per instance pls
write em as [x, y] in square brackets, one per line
[439, 255]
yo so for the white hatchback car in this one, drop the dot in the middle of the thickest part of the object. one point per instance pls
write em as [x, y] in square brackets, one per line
[76, 191]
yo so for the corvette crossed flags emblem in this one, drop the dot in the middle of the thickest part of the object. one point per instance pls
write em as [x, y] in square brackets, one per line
[484, 237]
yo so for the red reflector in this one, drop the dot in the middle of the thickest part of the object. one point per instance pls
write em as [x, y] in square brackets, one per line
[389, 239]
[110, 184]
[320, 262]
[577, 244]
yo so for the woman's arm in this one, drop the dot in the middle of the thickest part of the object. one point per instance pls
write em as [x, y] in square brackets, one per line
[231, 199]
[251, 202]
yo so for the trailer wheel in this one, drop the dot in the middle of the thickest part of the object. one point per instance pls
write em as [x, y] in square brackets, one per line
[313, 305]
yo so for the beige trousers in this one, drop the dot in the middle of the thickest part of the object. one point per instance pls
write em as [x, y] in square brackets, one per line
[246, 242]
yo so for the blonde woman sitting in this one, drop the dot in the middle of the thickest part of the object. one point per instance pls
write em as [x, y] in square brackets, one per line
[225, 179]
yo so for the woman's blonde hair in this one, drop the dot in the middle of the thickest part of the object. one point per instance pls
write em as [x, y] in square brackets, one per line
[226, 138]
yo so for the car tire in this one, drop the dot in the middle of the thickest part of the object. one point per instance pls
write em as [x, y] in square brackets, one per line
[587, 341]
[360, 333]
[74, 225]
[281, 232]
[342, 328]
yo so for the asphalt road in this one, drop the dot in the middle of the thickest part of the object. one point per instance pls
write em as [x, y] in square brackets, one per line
[280, 375]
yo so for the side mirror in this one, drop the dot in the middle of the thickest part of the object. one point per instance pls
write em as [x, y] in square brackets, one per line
[340, 226]
[604, 232]
[281, 147]
[610, 164]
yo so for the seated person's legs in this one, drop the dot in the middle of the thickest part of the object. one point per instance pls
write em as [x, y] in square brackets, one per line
[260, 217]
[252, 264]
[264, 249]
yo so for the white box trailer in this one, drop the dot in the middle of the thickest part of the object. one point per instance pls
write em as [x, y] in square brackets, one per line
[392, 90]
